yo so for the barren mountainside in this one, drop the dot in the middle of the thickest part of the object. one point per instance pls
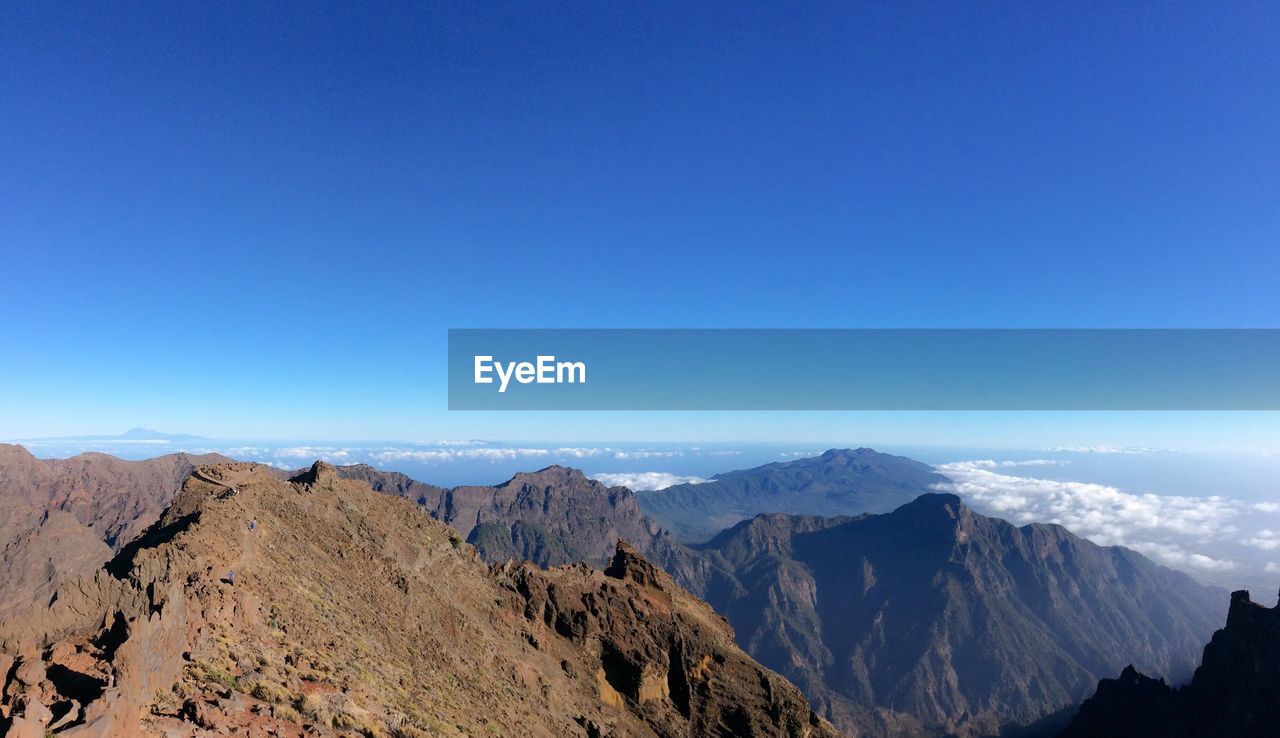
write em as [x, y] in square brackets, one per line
[116, 498]
[316, 606]
[965, 623]
[61, 518]
[929, 620]
[550, 517]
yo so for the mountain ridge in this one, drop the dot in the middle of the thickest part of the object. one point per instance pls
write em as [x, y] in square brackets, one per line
[968, 624]
[837, 482]
[1235, 691]
[318, 606]
[61, 518]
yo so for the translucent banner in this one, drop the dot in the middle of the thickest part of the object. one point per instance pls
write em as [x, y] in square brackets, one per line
[772, 369]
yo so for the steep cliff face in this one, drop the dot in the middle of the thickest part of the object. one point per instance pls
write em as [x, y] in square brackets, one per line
[316, 606]
[967, 624]
[550, 517]
[118, 499]
[930, 619]
[662, 649]
[62, 518]
[1235, 691]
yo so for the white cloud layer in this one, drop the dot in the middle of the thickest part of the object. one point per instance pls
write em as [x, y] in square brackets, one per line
[992, 464]
[1265, 539]
[645, 480]
[1131, 450]
[1169, 528]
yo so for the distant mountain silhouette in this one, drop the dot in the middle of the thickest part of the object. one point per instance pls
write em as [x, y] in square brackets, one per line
[839, 482]
[133, 434]
[1235, 692]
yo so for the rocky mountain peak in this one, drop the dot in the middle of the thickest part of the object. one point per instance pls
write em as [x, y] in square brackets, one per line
[320, 473]
[1244, 612]
[937, 512]
[14, 451]
[551, 476]
[250, 609]
[1235, 691]
[629, 565]
[847, 454]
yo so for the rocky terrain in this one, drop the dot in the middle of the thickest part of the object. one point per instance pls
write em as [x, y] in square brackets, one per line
[839, 482]
[1235, 691]
[257, 606]
[929, 620]
[550, 517]
[937, 617]
[62, 518]
[926, 621]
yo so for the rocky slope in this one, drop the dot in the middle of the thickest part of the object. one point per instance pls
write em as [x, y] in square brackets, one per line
[966, 624]
[62, 518]
[839, 482]
[256, 606]
[550, 517]
[1235, 691]
[944, 596]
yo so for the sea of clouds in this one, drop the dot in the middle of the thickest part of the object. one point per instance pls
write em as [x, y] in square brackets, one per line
[1222, 538]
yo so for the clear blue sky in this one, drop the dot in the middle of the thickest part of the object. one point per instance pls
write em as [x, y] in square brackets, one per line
[253, 219]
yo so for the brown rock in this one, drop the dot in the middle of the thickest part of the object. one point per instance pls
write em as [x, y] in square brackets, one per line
[353, 611]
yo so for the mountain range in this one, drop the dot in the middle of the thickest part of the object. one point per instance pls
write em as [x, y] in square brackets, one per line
[926, 620]
[133, 435]
[839, 482]
[931, 619]
[934, 617]
[550, 517]
[61, 518]
[316, 606]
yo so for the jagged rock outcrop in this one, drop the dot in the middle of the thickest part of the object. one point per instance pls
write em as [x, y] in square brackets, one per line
[661, 649]
[258, 606]
[838, 482]
[1235, 691]
[936, 617]
[62, 518]
[929, 620]
[118, 499]
[552, 516]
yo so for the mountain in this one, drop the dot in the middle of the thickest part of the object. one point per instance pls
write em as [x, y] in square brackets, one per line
[550, 517]
[146, 434]
[60, 518]
[135, 435]
[934, 616]
[839, 482]
[1235, 691]
[316, 606]
[925, 620]
[116, 498]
